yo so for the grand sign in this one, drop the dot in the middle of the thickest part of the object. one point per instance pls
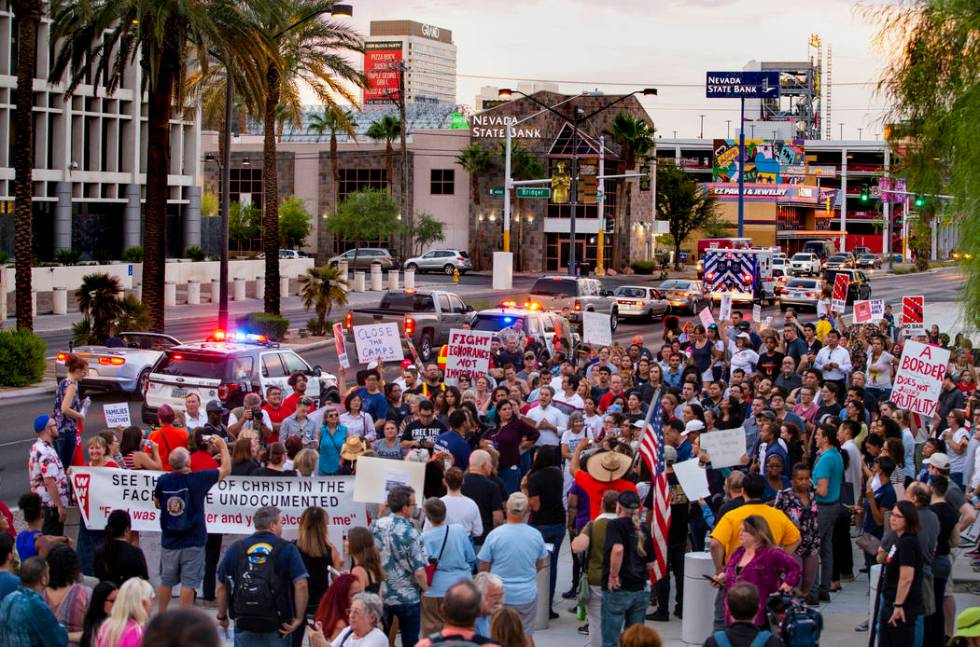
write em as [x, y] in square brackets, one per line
[493, 126]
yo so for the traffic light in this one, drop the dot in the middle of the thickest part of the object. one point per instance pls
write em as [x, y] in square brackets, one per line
[919, 202]
[865, 195]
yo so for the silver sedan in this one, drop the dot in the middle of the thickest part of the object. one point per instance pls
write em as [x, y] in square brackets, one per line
[124, 365]
[640, 301]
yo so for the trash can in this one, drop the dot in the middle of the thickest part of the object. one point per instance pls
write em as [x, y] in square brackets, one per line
[699, 598]
[583, 268]
[543, 582]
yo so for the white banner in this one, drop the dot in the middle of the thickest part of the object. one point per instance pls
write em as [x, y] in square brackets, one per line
[468, 353]
[381, 342]
[596, 329]
[229, 506]
[920, 377]
[693, 479]
[724, 447]
[725, 309]
[877, 310]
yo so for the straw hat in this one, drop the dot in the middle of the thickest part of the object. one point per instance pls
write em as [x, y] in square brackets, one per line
[607, 466]
[353, 447]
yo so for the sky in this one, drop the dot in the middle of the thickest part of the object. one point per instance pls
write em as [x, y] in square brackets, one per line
[668, 44]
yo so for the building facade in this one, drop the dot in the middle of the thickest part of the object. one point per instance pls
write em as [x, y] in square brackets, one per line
[90, 160]
[427, 52]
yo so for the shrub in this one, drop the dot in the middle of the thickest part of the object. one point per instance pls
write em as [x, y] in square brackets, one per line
[195, 253]
[643, 267]
[263, 323]
[133, 255]
[134, 316]
[22, 359]
[102, 256]
[921, 263]
[68, 256]
[81, 333]
[313, 325]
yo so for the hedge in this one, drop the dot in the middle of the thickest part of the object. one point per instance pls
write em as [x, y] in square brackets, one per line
[22, 359]
[644, 267]
[263, 323]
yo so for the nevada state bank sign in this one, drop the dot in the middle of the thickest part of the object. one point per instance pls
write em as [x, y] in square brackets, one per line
[495, 127]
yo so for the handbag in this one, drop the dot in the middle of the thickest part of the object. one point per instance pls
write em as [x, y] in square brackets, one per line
[433, 565]
[868, 543]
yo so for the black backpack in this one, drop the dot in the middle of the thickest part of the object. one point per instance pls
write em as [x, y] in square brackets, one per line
[456, 640]
[257, 592]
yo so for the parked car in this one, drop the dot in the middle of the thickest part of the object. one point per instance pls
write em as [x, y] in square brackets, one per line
[859, 285]
[684, 294]
[441, 260]
[860, 251]
[801, 293]
[641, 301]
[365, 258]
[225, 368]
[122, 366]
[290, 253]
[424, 316]
[552, 331]
[821, 248]
[840, 261]
[869, 261]
[806, 263]
[571, 295]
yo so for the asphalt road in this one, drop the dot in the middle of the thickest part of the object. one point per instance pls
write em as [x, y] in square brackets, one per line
[17, 416]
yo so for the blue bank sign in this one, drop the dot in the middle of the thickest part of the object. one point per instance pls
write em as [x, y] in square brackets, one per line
[742, 85]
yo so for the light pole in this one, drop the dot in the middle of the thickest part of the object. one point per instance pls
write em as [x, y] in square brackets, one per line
[728, 129]
[701, 136]
[841, 124]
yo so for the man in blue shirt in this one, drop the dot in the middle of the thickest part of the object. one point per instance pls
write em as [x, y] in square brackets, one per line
[180, 495]
[288, 569]
[828, 474]
[373, 397]
[454, 440]
[25, 619]
[674, 372]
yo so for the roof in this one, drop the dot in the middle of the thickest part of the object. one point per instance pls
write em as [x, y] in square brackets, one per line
[418, 115]
[509, 312]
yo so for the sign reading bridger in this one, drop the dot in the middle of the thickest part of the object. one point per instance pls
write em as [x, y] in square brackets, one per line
[920, 377]
[379, 342]
[468, 354]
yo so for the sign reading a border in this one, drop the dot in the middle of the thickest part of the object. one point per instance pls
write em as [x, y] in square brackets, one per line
[920, 377]
[742, 85]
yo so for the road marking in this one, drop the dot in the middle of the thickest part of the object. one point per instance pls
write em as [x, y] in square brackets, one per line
[17, 442]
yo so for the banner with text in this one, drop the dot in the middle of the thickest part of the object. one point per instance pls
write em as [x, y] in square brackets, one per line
[468, 353]
[920, 377]
[378, 342]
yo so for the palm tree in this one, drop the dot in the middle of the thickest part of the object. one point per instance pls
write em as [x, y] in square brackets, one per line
[28, 14]
[475, 160]
[322, 288]
[100, 39]
[99, 303]
[333, 121]
[386, 129]
[635, 139]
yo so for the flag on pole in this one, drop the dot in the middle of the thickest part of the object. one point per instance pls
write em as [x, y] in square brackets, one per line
[652, 451]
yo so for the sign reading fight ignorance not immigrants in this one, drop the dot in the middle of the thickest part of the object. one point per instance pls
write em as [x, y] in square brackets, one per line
[468, 353]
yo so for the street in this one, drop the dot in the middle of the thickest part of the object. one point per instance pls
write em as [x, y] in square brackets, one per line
[941, 287]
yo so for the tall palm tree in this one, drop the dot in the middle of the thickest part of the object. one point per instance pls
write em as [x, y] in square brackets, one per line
[100, 39]
[28, 14]
[333, 121]
[635, 140]
[387, 129]
[475, 160]
[322, 288]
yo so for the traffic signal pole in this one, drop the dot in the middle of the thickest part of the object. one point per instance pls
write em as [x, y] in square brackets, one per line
[741, 173]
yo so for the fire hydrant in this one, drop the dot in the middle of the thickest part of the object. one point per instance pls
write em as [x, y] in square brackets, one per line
[456, 276]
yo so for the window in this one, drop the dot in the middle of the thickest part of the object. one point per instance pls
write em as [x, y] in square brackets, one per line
[443, 181]
[294, 364]
[357, 179]
[272, 365]
[246, 180]
[444, 303]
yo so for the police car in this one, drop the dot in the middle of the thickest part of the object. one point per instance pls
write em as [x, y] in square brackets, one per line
[552, 332]
[225, 368]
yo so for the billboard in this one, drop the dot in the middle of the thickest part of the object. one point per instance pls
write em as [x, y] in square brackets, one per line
[381, 68]
[766, 161]
[742, 85]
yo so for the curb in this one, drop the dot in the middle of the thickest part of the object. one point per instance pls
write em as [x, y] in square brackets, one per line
[311, 346]
[28, 391]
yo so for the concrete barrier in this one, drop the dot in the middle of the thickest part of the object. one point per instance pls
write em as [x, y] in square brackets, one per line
[215, 290]
[59, 301]
[260, 287]
[343, 269]
[359, 282]
[377, 278]
[169, 294]
[699, 598]
[409, 279]
[392, 279]
[283, 286]
[239, 293]
[193, 293]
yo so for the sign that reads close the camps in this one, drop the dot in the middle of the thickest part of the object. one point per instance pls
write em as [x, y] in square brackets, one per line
[378, 342]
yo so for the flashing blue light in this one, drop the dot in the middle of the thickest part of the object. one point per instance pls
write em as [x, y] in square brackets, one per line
[508, 320]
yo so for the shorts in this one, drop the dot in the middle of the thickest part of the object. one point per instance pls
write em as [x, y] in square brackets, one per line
[184, 566]
[529, 615]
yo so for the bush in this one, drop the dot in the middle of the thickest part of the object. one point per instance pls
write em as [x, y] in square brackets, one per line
[134, 315]
[313, 325]
[195, 253]
[921, 263]
[263, 323]
[643, 267]
[102, 256]
[68, 256]
[133, 255]
[22, 359]
[81, 333]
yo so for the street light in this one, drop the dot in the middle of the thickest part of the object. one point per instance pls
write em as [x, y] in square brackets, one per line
[342, 10]
[728, 129]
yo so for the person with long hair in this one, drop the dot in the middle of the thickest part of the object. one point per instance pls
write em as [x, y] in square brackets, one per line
[355, 420]
[332, 611]
[318, 555]
[243, 461]
[506, 629]
[306, 461]
[134, 458]
[510, 437]
[99, 607]
[66, 596]
[68, 405]
[130, 611]
[901, 589]
[365, 559]
[333, 435]
[118, 559]
[451, 402]
[398, 408]
[483, 394]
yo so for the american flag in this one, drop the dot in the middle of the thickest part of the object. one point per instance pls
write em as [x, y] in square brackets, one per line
[652, 450]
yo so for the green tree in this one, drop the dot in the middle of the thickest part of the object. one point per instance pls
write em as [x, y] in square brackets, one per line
[933, 87]
[427, 230]
[684, 204]
[387, 129]
[365, 215]
[209, 204]
[333, 120]
[100, 305]
[322, 288]
[523, 166]
[476, 161]
[244, 225]
[99, 41]
[294, 222]
[635, 140]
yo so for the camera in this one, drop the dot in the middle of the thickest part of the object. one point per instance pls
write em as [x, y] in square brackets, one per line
[257, 413]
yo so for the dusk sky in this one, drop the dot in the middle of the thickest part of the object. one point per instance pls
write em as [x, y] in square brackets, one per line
[669, 44]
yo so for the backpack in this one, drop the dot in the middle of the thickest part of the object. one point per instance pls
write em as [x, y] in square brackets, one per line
[458, 640]
[256, 591]
[801, 626]
[175, 502]
[761, 638]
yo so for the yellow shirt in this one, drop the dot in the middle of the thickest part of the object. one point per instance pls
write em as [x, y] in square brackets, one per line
[784, 531]
[822, 328]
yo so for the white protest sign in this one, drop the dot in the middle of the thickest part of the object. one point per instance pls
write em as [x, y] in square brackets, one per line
[877, 309]
[468, 353]
[375, 476]
[693, 479]
[381, 342]
[596, 329]
[338, 340]
[116, 415]
[706, 318]
[725, 309]
[725, 447]
[757, 312]
[862, 312]
[920, 377]
[228, 506]
[767, 323]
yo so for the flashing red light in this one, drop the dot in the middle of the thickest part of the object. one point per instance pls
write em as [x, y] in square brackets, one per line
[409, 326]
[710, 276]
[112, 361]
[61, 357]
[349, 320]
[177, 356]
[746, 278]
[218, 335]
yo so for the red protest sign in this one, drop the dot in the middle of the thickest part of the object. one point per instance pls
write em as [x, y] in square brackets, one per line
[913, 309]
[839, 303]
[862, 312]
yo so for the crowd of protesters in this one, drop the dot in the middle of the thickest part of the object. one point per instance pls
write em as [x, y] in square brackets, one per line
[543, 447]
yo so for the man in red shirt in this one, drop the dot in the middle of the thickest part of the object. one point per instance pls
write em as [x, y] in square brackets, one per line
[604, 470]
[167, 437]
[615, 390]
[277, 412]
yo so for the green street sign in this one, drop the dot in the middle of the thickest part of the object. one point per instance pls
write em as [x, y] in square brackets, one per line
[497, 193]
[533, 192]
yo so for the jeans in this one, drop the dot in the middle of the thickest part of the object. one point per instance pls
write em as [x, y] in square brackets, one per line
[409, 621]
[826, 518]
[593, 612]
[621, 610]
[511, 476]
[552, 534]
[271, 639]
[718, 621]
[64, 444]
[675, 565]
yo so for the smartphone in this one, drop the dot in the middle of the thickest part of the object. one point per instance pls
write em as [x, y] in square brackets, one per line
[710, 578]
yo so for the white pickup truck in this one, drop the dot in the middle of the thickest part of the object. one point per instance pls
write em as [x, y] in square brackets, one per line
[806, 263]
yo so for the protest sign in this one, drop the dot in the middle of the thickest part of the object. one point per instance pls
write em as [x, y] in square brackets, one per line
[229, 505]
[912, 311]
[706, 318]
[692, 479]
[757, 312]
[380, 342]
[375, 476]
[596, 329]
[468, 353]
[725, 447]
[862, 312]
[725, 309]
[839, 298]
[116, 415]
[338, 340]
[920, 377]
[877, 310]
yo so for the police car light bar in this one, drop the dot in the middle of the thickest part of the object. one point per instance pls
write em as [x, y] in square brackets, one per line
[238, 336]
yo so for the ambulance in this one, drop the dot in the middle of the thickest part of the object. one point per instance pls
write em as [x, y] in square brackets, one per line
[746, 274]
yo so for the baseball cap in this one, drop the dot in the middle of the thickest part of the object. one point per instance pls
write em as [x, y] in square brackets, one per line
[670, 455]
[939, 460]
[692, 425]
[744, 335]
[40, 423]
[214, 406]
[517, 503]
[743, 325]
[640, 424]
[629, 500]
